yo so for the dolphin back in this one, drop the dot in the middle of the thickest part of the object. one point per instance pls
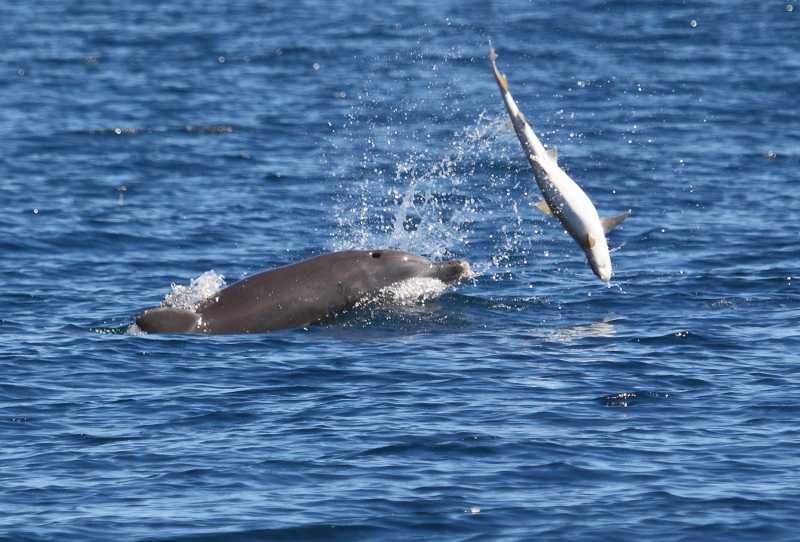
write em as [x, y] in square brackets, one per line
[299, 294]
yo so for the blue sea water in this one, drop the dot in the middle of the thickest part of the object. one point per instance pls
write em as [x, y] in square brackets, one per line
[145, 144]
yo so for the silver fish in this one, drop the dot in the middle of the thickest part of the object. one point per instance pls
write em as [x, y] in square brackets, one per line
[563, 198]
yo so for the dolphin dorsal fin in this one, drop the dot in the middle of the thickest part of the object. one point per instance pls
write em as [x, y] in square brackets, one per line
[552, 152]
[544, 208]
[613, 221]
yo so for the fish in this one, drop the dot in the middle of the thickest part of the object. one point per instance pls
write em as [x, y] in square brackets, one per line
[563, 198]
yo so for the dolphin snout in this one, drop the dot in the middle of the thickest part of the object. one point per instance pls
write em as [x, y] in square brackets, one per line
[453, 271]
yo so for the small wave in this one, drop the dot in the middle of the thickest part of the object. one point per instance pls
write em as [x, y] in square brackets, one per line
[213, 130]
[135, 330]
[220, 129]
[311, 531]
[212, 418]
[108, 330]
[569, 334]
[120, 131]
[630, 398]
[90, 439]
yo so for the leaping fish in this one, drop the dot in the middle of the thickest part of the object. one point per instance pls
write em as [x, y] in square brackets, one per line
[563, 198]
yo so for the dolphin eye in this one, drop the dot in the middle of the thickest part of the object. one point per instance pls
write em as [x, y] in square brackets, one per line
[375, 254]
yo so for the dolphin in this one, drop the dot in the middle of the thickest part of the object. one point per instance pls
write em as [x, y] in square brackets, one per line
[563, 198]
[300, 294]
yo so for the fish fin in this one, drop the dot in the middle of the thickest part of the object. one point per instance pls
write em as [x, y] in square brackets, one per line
[167, 320]
[504, 82]
[613, 221]
[552, 152]
[544, 208]
[590, 241]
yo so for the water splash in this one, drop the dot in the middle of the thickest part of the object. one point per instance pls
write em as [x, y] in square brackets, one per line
[631, 398]
[187, 297]
[135, 331]
[407, 293]
[442, 202]
[199, 289]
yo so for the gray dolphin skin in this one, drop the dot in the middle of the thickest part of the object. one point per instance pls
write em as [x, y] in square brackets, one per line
[301, 294]
[563, 198]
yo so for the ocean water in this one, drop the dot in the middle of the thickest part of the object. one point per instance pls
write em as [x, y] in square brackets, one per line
[146, 145]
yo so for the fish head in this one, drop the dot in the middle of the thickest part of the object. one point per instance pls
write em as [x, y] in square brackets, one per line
[596, 249]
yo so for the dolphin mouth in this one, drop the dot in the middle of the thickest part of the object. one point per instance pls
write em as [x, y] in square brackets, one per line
[453, 272]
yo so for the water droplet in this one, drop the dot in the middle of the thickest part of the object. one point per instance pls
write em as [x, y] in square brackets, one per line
[221, 59]
[121, 194]
[788, 8]
[36, 210]
[693, 23]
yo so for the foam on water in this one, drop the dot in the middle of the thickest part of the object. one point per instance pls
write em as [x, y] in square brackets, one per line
[199, 289]
[408, 292]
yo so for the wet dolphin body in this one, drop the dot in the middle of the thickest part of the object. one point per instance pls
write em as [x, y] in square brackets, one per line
[300, 294]
[563, 198]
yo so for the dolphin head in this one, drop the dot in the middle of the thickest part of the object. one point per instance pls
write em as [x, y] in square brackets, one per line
[398, 265]
[452, 272]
